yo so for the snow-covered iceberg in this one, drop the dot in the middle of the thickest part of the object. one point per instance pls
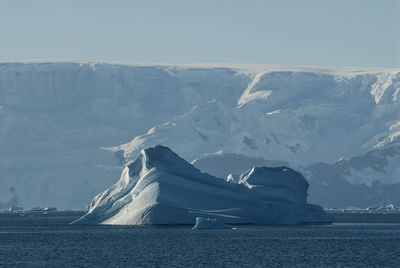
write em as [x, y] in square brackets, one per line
[159, 187]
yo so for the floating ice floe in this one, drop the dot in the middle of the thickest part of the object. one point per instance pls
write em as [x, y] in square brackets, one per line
[207, 223]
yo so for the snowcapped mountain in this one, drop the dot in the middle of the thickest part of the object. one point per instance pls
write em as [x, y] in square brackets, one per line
[306, 118]
[62, 123]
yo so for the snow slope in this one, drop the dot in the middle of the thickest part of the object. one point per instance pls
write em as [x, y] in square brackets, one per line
[56, 119]
[159, 187]
[308, 117]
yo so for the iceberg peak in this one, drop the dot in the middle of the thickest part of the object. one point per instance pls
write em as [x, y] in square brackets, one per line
[163, 158]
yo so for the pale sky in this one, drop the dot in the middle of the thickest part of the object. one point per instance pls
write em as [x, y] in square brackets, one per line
[361, 33]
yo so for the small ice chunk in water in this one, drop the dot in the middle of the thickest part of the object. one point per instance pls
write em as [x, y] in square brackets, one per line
[207, 223]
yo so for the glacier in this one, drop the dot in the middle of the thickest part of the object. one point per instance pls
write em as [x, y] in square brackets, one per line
[159, 187]
[68, 128]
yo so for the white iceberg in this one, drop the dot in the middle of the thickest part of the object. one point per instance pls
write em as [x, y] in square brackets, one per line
[159, 187]
[207, 223]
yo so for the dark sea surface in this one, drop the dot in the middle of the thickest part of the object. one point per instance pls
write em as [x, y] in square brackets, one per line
[37, 240]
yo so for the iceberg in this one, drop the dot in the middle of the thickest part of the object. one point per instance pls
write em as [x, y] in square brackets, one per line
[159, 187]
[207, 223]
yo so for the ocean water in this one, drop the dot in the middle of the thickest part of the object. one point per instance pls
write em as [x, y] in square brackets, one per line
[48, 241]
